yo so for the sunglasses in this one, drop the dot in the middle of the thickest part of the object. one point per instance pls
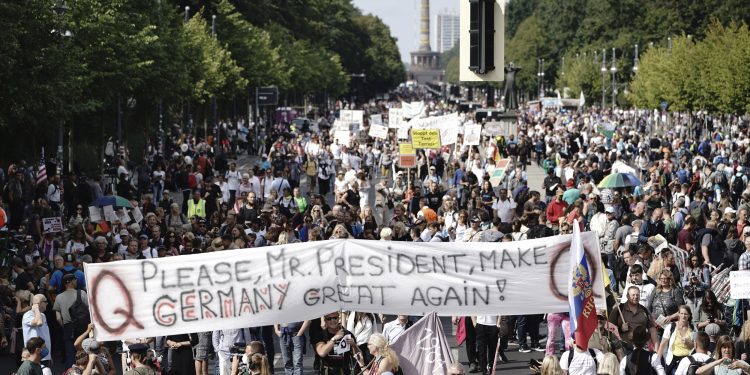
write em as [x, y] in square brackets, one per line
[329, 318]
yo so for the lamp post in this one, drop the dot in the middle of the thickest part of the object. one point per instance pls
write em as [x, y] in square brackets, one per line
[613, 69]
[635, 60]
[604, 77]
[540, 75]
[188, 117]
[60, 9]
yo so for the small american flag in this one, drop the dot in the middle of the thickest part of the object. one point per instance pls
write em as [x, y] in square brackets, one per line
[42, 175]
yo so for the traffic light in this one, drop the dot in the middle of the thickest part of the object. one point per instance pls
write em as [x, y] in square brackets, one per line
[482, 40]
[481, 36]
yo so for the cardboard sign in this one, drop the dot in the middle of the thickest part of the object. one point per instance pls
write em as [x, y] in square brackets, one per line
[407, 161]
[406, 149]
[425, 138]
[95, 214]
[403, 132]
[395, 117]
[378, 131]
[376, 119]
[472, 134]
[739, 284]
[343, 136]
[52, 224]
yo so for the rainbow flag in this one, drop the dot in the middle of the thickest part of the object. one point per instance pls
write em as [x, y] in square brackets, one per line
[583, 320]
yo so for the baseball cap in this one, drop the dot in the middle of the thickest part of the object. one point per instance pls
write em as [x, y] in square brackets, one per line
[124, 232]
[730, 210]
[143, 237]
[609, 210]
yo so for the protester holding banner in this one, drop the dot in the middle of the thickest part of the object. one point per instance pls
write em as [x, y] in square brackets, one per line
[336, 348]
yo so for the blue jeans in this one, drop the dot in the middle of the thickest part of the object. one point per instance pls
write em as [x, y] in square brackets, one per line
[291, 353]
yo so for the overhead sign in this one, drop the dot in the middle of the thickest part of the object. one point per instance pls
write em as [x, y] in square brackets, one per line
[267, 95]
[290, 283]
[425, 138]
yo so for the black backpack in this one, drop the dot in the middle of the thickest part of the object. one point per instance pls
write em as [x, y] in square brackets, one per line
[738, 185]
[79, 315]
[694, 365]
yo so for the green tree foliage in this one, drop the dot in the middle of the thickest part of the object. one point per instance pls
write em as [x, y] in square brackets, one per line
[582, 74]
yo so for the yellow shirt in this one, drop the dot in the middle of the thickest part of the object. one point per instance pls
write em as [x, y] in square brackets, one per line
[678, 348]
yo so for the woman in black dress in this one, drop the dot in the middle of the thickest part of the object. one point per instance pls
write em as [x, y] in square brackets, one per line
[182, 353]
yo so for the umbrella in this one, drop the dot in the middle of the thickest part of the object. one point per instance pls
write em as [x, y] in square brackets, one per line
[112, 200]
[618, 180]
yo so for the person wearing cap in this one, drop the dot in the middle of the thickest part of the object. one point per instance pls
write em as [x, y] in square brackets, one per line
[96, 351]
[122, 239]
[62, 305]
[144, 247]
[474, 233]
[432, 177]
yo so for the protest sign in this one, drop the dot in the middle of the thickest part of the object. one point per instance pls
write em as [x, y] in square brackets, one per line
[406, 149]
[498, 175]
[395, 117]
[288, 283]
[122, 215]
[472, 134]
[137, 215]
[378, 131]
[52, 224]
[95, 214]
[403, 132]
[343, 136]
[376, 119]
[109, 213]
[425, 138]
[448, 134]
[739, 284]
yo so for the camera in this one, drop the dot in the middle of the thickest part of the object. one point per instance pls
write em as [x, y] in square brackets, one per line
[238, 348]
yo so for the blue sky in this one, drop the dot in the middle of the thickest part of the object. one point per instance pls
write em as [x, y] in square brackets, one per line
[402, 16]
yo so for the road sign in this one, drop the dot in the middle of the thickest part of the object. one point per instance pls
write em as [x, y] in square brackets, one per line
[267, 95]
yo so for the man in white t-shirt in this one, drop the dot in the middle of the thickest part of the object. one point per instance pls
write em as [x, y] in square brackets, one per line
[505, 207]
[486, 332]
[233, 181]
[701, 354]
[583, 362]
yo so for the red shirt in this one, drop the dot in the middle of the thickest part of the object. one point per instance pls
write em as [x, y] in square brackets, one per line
[555, 210]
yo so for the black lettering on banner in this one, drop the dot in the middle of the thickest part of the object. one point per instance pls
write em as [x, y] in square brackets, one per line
[522, 257]
[246, 306]
[436, 296]
[223, 268]
[374, 261]
[241, 273]
[164, 284]
[206, 298]
[403, 258]
[490, 257]
[506, 258]
[262, 300]
[282, 289]
[187, 300]
[343, 292]
[455, 257]
[164, 311]
[203, 274]
[370, 294]
[438, 264]
[226, 302]
[294, 264]
[340, 265]
[154, 271]
[363, 291]
[501, 287]
[421, 263]
[311, 297]
[323, 256]
[355, 263]
[540, 254]
[184, 273]
[274, 261]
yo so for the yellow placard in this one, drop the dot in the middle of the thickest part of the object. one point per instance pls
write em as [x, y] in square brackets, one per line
[425, 138]
[406, 149]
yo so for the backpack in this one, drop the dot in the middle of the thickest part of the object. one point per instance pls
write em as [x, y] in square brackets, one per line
[79, 315]
[694, 365]
[696, 211]
[591, 351]
[738, 185]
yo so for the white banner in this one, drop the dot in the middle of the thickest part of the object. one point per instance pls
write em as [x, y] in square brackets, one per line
[343, 136]
[435, 122]
[472, 134]
[395, 117]
[413, 109]
[278, 284]
[378, 131]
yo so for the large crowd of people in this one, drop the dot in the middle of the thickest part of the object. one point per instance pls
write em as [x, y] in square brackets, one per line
[664, 241]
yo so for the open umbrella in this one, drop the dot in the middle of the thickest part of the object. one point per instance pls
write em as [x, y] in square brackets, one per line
[112, 200]
[618, 180]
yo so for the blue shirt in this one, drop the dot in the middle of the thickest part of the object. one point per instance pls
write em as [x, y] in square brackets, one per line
[55, 281]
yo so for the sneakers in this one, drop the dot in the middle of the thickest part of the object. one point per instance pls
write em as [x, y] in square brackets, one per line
[524, 349]
[538, 348]
[474, 368]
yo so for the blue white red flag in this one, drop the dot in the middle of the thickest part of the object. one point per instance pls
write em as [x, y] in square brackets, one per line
[583, 320]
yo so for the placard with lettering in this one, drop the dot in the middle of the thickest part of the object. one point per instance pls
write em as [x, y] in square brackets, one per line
[289, 283]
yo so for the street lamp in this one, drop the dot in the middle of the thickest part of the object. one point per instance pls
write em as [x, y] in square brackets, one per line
[60, 9]
[669, 44]
[635, 60]
[613, 69]
[540, 76]
[562, 65]
[604, 77]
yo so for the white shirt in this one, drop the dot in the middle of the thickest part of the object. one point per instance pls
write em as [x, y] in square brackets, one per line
[504, 209]
[53, 193]
[149, 253]
[685, 362]
[582, 363]
[646, 290]
[393, 330]
[487, 320]
[233, 179]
